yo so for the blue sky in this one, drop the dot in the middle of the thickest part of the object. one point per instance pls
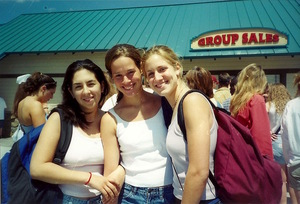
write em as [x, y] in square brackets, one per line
[10, 9]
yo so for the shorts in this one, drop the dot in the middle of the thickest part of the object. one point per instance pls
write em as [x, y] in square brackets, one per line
[74, 200]
[131, 194]
[294, 176]
[277, 150]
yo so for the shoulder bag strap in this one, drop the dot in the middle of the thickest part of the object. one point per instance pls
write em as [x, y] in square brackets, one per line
[181, 123]
[66, 130]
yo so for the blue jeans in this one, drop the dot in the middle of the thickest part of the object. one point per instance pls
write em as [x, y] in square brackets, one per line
[143, 195]
[73, 200]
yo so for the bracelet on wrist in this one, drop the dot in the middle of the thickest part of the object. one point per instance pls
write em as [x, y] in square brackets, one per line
[88, 181]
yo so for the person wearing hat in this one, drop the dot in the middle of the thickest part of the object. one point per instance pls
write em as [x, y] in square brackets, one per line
[215, 83]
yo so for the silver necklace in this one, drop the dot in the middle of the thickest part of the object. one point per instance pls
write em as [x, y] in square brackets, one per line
[176, 100]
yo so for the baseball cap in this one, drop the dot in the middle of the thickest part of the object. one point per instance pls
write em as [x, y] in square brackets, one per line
[214, 78]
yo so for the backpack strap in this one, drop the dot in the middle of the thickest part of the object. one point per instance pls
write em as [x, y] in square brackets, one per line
[66, 130]
[181, 123]
[180, 116]
[167, 111]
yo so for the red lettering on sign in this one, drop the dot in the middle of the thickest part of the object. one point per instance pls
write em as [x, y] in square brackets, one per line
[226, 41]
[261, 40]
[245, 38]
[232, 38]
[201, 42]
[217, 40]
[275, 38]
[235, 37]
[252, 38]
[209, 41]
[269, 37]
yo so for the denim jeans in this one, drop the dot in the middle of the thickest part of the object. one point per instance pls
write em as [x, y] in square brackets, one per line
[143, 195]
[73, 200]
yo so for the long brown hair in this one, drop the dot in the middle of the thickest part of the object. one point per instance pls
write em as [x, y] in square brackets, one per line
[200, 78]
[31, 86]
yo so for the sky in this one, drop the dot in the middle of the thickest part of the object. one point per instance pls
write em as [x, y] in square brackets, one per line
[10, 9]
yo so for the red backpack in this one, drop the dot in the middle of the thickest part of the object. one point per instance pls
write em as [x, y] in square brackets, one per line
[241, 173]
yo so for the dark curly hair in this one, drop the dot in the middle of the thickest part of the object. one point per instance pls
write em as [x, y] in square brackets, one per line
[31, 86]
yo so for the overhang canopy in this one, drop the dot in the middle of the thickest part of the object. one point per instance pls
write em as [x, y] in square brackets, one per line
[173, 25]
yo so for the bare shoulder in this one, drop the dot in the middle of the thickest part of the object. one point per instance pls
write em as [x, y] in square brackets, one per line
[197, 109]
[53, 120]
[108, 118]
[33, 105]
[196, 100]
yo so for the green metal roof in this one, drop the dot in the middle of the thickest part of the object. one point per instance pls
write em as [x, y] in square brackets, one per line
[173, 25]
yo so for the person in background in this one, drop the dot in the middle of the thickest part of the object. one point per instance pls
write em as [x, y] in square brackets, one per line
[226, 103]
[163, 71]
[248, 106]
[30, 96]
[80, 175]
[20, 94]
[290, 133]
[200, 78]
[134, 133]
[2, 114]
[215, 83]
[223, 91]
[277, 98]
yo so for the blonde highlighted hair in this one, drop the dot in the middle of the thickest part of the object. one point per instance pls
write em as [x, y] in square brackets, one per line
[279, 95]
[251, 80]
[297, 83]
[164, 51]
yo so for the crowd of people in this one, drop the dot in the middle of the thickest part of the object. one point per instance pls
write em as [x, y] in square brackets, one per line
[124, 152]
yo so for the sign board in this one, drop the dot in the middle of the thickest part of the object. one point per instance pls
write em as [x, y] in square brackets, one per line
[239, 38]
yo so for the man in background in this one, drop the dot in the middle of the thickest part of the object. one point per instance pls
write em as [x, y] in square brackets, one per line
[223, 92]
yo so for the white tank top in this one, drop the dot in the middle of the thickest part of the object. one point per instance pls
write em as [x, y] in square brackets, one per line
[177, 148]
[275, 118]
[143, 151]
[84, 154]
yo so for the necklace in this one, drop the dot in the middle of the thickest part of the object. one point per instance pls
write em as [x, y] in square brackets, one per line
[178, 96]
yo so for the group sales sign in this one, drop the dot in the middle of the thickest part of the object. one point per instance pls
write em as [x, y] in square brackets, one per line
[239, 38]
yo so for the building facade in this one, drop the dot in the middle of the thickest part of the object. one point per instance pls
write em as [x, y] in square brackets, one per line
[220, 36]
